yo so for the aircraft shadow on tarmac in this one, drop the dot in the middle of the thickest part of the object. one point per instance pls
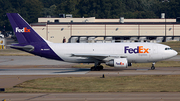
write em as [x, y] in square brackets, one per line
[80, 69]
[122, 69]
[87, 70]
[62, 70]
[104, 70]
[74, 70]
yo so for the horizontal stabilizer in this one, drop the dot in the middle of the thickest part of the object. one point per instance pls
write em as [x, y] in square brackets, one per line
[28, 48]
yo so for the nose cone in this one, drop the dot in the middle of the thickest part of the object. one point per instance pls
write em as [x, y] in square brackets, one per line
[169, 54]
[174, 53]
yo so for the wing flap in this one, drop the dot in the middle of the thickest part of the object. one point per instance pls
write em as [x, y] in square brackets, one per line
[90, 55]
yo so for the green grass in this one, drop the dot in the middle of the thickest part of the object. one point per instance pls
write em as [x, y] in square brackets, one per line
[142, 83]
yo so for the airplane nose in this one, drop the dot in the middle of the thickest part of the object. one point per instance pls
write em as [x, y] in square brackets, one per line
[175, 53]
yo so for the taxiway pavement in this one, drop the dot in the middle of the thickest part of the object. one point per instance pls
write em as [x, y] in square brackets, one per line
[127, 96]
[86, 71]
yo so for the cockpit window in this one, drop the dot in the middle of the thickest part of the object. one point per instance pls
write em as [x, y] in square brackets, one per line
[168, 48]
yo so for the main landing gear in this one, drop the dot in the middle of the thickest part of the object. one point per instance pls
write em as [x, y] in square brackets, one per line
[97, 67]
[153, 67]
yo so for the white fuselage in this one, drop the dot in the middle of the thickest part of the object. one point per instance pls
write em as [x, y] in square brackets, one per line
[134, 52]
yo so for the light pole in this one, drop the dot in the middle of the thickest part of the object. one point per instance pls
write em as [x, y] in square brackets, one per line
[165, 27]
[165, 19]
[165, 1]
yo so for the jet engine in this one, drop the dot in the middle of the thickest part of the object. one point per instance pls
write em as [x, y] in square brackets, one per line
[118, 63]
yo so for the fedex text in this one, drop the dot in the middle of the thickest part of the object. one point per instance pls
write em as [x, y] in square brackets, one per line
[22, 30]
[119, 63]
[139, 49]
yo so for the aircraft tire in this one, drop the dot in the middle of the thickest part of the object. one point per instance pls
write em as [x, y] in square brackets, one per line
[101, 67]
[93, 68]
[96, 69]
[152, 68]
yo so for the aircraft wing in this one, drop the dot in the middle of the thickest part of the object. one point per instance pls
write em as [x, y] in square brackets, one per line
[102, 57]
[90, 55]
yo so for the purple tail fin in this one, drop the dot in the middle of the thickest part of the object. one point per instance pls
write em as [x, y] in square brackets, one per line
[23, 31]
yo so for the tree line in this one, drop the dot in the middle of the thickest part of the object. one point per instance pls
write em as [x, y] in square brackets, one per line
[30, 10]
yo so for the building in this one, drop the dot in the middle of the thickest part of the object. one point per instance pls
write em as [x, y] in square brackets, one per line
[83, 30]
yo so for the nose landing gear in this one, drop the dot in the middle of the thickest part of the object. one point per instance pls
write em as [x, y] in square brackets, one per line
[153, 67]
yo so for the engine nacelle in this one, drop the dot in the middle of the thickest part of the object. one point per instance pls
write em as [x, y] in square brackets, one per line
[119, 62]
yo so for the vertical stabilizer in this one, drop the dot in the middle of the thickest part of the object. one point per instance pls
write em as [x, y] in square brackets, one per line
[23, 31]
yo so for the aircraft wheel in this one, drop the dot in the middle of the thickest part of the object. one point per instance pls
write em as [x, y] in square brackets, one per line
[152, 68]
[93, 68]
[101, 67]
[98, 69]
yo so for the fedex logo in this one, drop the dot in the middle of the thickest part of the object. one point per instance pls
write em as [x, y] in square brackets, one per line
[119, 63]
[22, 30]
[139, 49]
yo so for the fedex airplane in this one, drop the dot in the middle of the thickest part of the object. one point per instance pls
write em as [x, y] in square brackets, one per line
[119, 55]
